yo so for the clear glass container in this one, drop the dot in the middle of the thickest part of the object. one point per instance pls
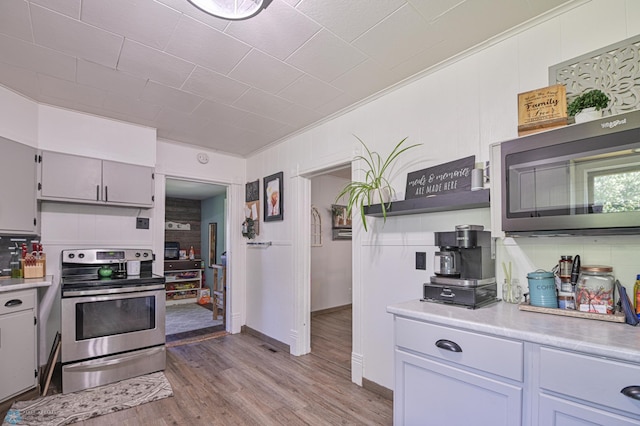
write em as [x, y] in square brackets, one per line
[14, 264]
[594, 290]
[511, 291]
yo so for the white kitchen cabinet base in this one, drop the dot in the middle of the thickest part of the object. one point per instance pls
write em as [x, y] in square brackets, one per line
[429, 392]
[18, 356]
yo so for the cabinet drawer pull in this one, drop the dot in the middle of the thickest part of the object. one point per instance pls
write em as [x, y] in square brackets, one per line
[448, 345]
[631, 392]
[13, 302]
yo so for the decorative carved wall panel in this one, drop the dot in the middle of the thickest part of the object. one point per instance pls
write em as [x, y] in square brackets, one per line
[614, 69]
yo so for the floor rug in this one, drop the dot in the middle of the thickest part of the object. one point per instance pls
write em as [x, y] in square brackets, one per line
[63, 409]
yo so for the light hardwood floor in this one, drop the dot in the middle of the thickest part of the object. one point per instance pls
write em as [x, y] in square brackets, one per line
[241, 380]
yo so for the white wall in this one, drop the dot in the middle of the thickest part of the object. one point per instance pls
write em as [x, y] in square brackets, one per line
[455, 111]
[330, 263]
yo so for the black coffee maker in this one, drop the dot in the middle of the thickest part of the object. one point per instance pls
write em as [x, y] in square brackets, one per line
[464, 268]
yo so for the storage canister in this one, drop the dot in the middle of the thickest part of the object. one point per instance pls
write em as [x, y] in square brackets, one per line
[542, 289]
[594, 291]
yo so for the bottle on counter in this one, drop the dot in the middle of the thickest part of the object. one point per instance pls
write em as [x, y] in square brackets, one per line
[636, 296]
[192, 253]
[14, 263]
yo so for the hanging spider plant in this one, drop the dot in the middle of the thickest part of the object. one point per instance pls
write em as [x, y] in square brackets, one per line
[375, 183]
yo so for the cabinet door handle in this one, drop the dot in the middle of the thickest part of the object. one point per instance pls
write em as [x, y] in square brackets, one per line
[13, 302]
[97, 192]
[448, 345]
[106, 193]
[632, 392]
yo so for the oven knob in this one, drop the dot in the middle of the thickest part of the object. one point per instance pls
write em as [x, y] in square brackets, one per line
[81, 255]
[71, 255]
[145, 254]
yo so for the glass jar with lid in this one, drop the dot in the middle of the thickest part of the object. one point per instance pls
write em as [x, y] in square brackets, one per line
[594, 290]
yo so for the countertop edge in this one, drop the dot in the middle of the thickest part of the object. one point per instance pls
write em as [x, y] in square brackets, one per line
[610, 340]
[14, 284]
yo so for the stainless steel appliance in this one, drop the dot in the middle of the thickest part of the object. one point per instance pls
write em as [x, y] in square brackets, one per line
[113, 325]
[473, 284]
[576, 180]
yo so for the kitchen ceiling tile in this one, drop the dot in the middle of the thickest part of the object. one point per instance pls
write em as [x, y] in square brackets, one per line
[153, 64]
[297, 116]
[66, 90]
[21, 79]
[203, 45]
[71, 8]
[279, 30]
[176, 99]
[75, 38]
[129, 106]
[325, 56]
[336, 104]
[149, 23]
[434, 9]
[264, 72]
[310, 92]
[397, 38]
[99, 76]
[348, 20]
[188, 9]
[21, 54]
[261, 103]
[169, 118]
[214, 86]
[365, 79]
[14, 19]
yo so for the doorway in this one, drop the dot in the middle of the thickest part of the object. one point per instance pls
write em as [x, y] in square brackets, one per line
[195, 258]
[331, 270]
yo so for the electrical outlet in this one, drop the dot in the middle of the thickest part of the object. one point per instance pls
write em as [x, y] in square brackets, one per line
[142, 223]
[421, 260]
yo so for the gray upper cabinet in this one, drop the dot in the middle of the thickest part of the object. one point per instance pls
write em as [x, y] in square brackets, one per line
[71, 178]
[18, 189]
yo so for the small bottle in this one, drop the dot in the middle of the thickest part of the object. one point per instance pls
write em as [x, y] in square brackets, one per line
[16, 270]
[192, 254]
[636, 296]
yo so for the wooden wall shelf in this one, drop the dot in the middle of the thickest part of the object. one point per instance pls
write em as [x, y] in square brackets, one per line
[439, 203]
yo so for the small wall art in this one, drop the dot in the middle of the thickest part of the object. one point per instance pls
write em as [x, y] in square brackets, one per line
[252, 208]
[273, 204]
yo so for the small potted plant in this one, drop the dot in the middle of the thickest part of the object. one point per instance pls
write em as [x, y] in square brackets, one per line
[588, 106]
[375, 185]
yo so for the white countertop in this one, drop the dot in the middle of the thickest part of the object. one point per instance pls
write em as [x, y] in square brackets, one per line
[614, 340]
[13, 284]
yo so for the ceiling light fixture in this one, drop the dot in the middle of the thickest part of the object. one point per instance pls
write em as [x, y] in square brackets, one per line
[233, 10]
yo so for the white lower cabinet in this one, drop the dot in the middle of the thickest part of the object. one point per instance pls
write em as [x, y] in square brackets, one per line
[453, 376]
[433, 393]
[18, 356]
[580, 389]
[450, 376]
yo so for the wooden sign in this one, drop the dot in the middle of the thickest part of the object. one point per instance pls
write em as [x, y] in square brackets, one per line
[454, 176]
[541, 109]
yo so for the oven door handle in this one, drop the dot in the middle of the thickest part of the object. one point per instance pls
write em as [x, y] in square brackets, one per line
[109, 291]
[99, 364]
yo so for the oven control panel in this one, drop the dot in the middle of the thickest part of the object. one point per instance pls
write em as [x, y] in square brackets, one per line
[100, 256]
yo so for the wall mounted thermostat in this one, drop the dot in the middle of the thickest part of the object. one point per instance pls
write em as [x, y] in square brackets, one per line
[203, 158]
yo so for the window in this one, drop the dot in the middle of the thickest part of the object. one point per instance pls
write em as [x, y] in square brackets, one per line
[316, 228]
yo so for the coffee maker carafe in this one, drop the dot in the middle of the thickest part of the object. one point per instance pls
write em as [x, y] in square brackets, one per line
[447, 262]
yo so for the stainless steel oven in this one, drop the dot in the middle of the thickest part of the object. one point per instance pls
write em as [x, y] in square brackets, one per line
[113, 324]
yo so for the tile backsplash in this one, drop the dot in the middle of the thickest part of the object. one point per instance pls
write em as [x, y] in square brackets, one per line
[8, 245]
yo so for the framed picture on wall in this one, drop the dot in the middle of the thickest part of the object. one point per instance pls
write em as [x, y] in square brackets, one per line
[273, 197]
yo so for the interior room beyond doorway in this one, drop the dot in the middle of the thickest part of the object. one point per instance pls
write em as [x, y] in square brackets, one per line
[331, 264]
[194, 258]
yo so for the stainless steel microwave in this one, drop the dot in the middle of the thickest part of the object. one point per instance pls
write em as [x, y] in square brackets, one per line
[582, 179]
